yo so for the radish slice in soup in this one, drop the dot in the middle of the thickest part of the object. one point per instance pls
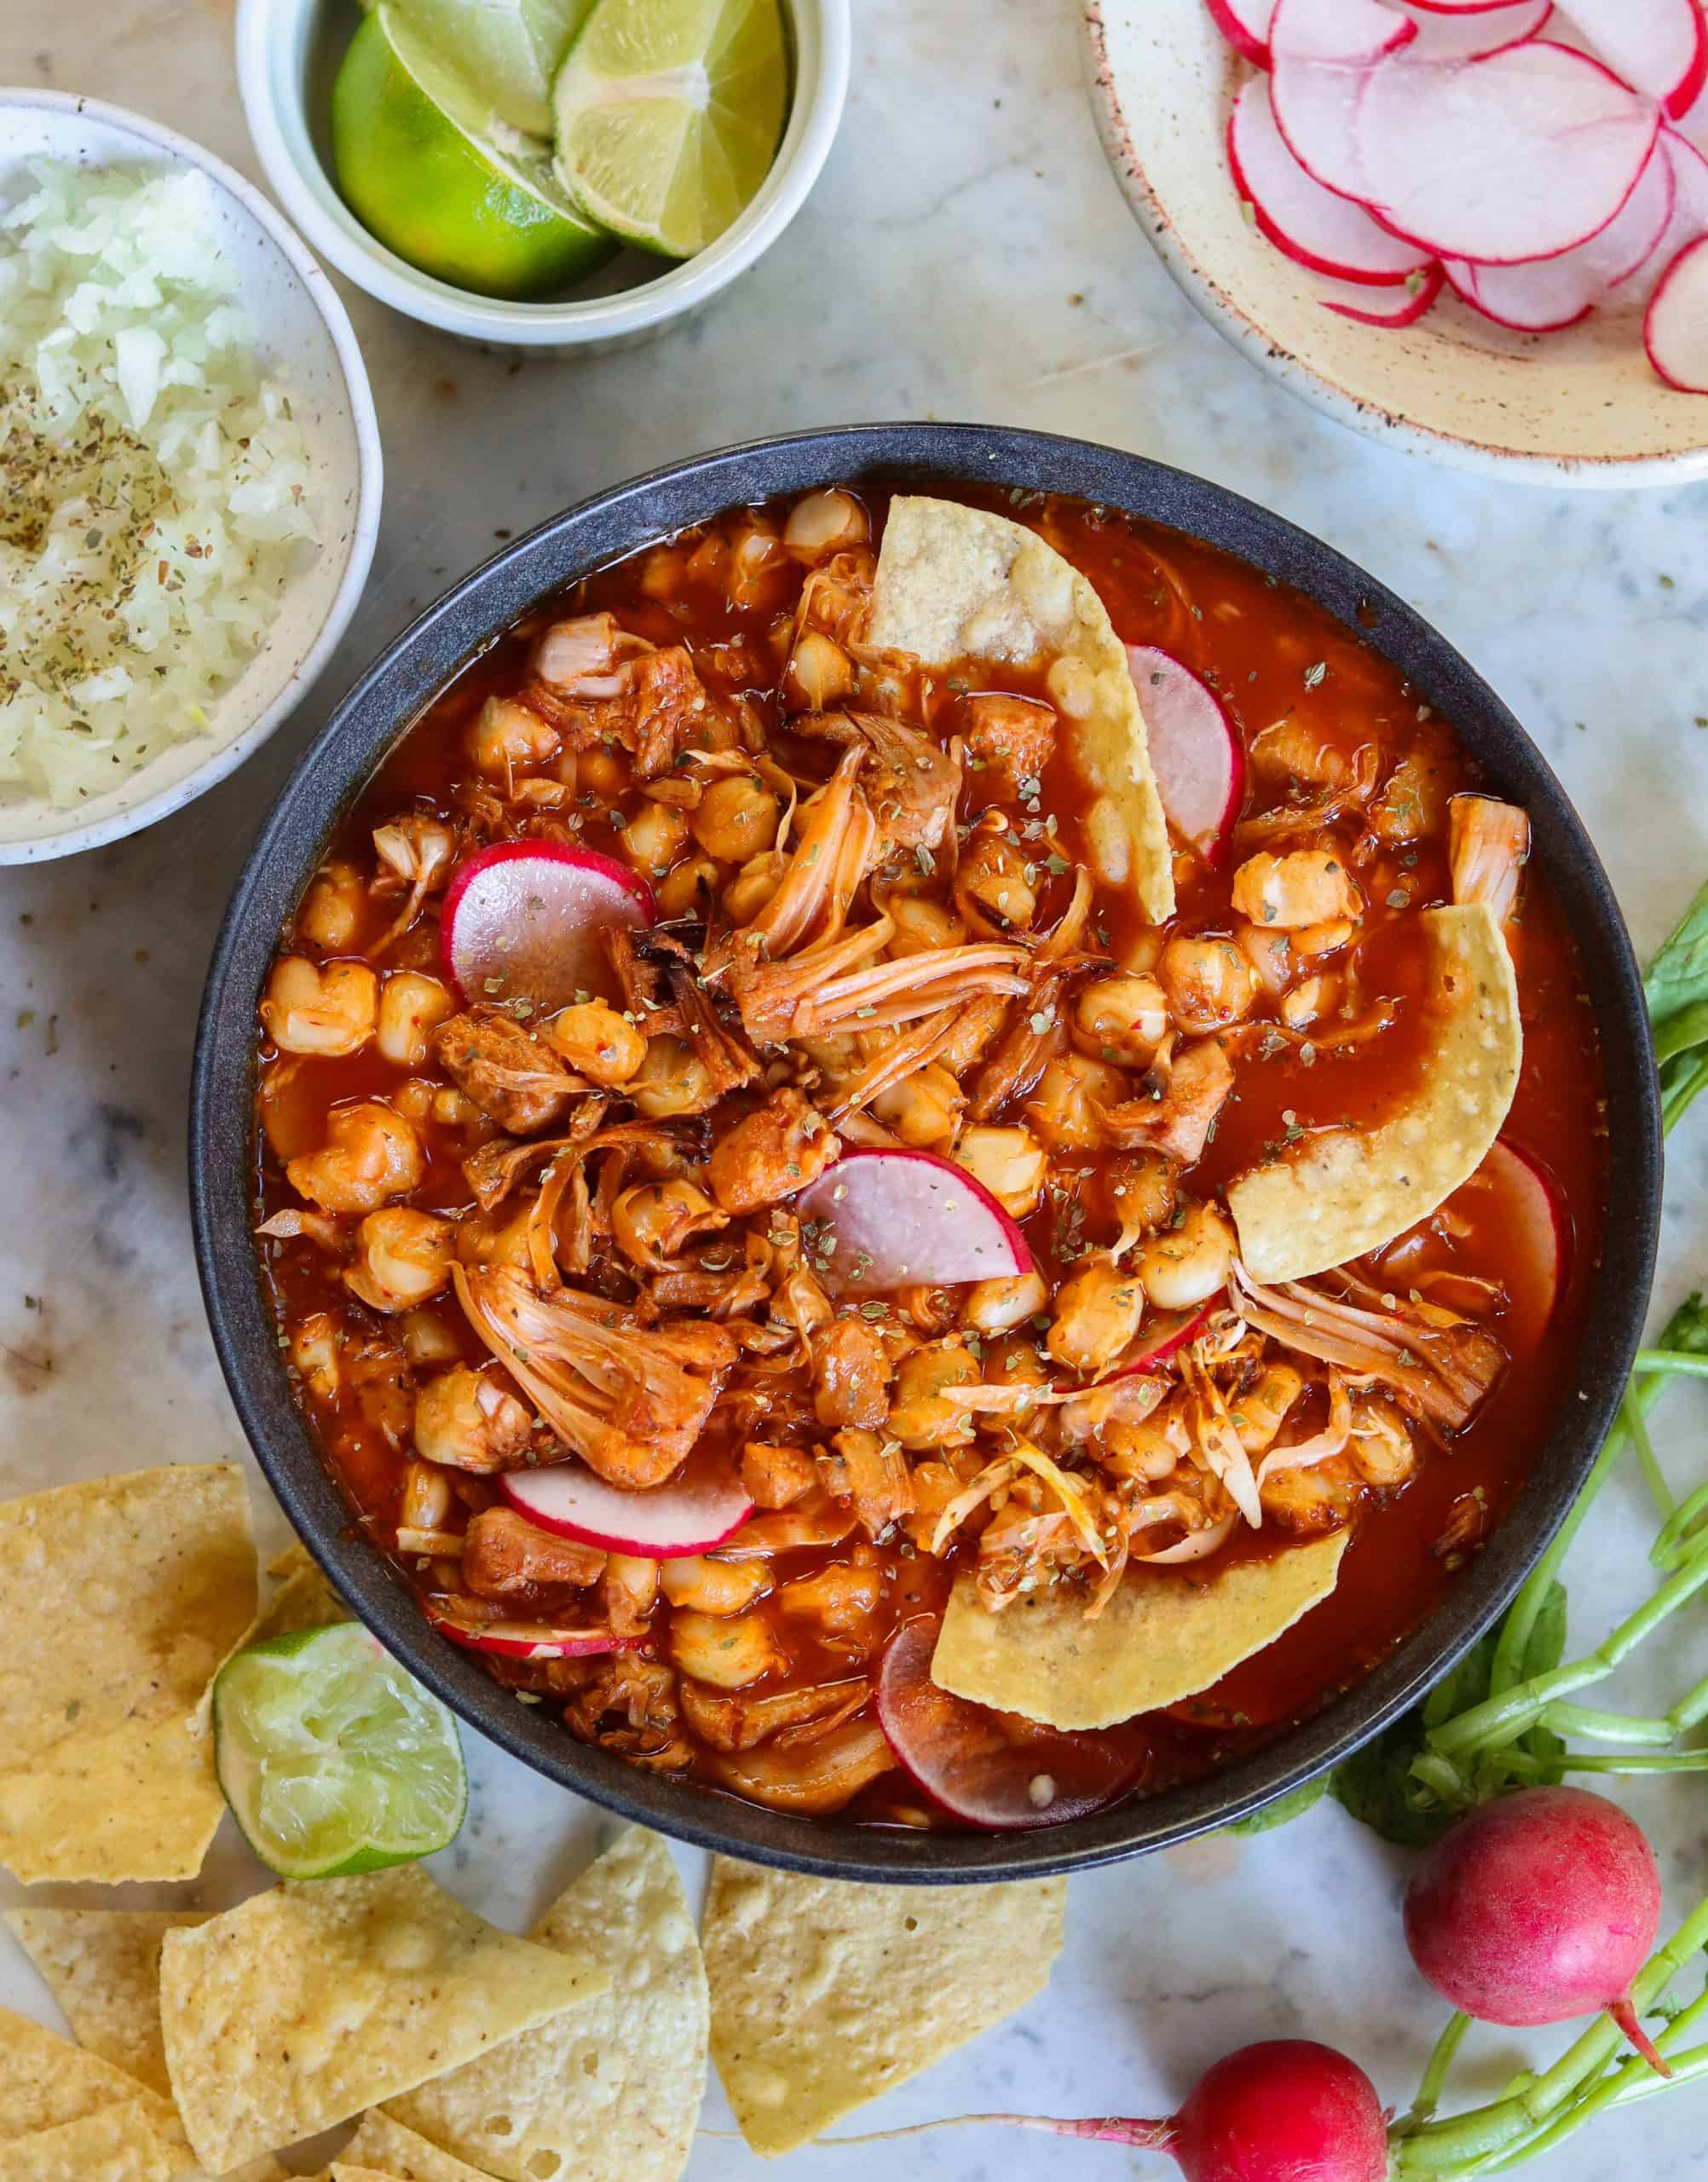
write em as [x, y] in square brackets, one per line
[1323, 53]
[903, 1219]
[992, 1769]
[1401, 306]
[1676, 331]
[1469, 33]
[524, 1640]
[1515, 156]
[1529, 1214]
[664, 1524]
[522, 921]
[1162, 1338]
[1305, 222]
[1661, 47]
[1245, 25]
[1195, 754]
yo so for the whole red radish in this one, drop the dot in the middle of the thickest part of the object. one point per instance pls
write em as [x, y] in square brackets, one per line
[1540, 1906]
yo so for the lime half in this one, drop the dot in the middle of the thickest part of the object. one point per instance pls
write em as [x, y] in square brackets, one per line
[334, 1760]
[509, 49]
[669, 113]
[433, 173]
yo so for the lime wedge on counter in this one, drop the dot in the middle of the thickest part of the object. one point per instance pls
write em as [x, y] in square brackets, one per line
[669, 113]
[433, 173]
[509, 49]
[334, 1759]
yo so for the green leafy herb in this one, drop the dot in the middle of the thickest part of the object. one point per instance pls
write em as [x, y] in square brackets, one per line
[1283, 1809]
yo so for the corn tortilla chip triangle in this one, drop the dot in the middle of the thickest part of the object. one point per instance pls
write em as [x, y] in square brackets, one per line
[139, 1586]
[957, 583]
[608, 2092]
[303, 1599]
[45, 2082]
[342, 2171]
[1338, 1194]
[116, 2144]
[103, 1968]
[388, 2148]
[825, 1994]
[305, 2005]
[1163, 1636]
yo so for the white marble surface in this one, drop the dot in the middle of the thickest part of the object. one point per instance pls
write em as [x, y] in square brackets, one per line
[967, 255]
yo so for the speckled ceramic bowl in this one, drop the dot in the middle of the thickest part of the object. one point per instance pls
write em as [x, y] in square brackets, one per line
[1577, 407]
[304, 336]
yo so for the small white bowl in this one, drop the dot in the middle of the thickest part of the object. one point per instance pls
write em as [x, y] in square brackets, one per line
[305, 336]
[1577, 407]
[288, 52]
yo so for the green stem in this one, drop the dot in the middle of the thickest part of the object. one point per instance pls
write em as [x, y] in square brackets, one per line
[1634, 2081]
[1434, 2075]
[1513, 1641]
[1631, 1410]
[1502, 1719]
[1527, 1768]
[1648, 1360]
[1606, 1727]
[1673, 1543]
[1676, 1102]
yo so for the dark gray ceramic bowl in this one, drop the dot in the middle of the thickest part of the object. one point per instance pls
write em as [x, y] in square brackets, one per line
[382, 707]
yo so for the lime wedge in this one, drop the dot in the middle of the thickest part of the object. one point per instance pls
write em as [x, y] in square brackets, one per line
[333, 1758]
[669, 113]
[509, 49]
[433, 173]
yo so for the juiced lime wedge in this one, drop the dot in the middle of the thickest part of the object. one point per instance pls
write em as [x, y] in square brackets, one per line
[431, 170]
[509, 49]
[333, 1758]
[669, 113]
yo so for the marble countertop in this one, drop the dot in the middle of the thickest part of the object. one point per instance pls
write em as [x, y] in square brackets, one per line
[967, 255]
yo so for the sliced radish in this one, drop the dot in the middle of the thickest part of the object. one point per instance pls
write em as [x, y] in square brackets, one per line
[1401, 306]
[522, 920]
[1323, 53]
[897, 1219]
[1532, 1214]
[1245, 25]
[1195, 752]
[1468, 34]
[1455, 7]
[1516, 157]
[664, 1524]
[1661, 47]
[524, 1640]
[1689, 216]
[1160, 1340]
[1305, 221]
[1557, 291]
[1675, 332]
[991, 1769]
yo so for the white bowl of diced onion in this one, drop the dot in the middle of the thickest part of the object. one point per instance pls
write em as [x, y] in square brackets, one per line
[288, 525]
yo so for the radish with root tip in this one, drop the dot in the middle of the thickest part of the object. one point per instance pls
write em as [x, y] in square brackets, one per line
[1245, 25]
[1391, 307]
[522, 920]
[524, 1640]
[1536, 1908]
[1286, 2110]
[985, 1768]
[1661, 47]
[1675, 331]
[1517, 156]
[901, 1219]
[1310, 224]
[667, 1523]
[1323, 53]
[1195, 754]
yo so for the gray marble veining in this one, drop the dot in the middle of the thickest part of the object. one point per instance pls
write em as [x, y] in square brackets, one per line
[965, 255]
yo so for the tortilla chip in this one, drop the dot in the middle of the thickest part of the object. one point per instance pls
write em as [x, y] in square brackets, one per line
[103, 1967]
[303, 1599]
[1160, 1637]
[956, 583]
[305, 2005]
[137, 1587]
[117, 2143]
[825, 1994]
[1334, 1197]
[608, 2092]
[45, 2082]
[393, 2150]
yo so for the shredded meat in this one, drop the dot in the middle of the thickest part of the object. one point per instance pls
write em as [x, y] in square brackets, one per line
[778, 1149]
[507, 1557]
[509, 1075]
[911, 783]
[1009, 741]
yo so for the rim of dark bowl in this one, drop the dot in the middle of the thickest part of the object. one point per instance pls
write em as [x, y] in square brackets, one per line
[388, 699]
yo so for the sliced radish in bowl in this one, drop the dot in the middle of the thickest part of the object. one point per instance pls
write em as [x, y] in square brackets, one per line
[1307, 223]
[1517, 156]
[522, 920]
[900, 1219]
[1468, 33]
[665, 1524]
[1401, 306]
[993, 1769]
[1195, 752]
[1245, 25]
[1323, 53]
[524, 1640]
[1661, 47]
[1675, 332]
